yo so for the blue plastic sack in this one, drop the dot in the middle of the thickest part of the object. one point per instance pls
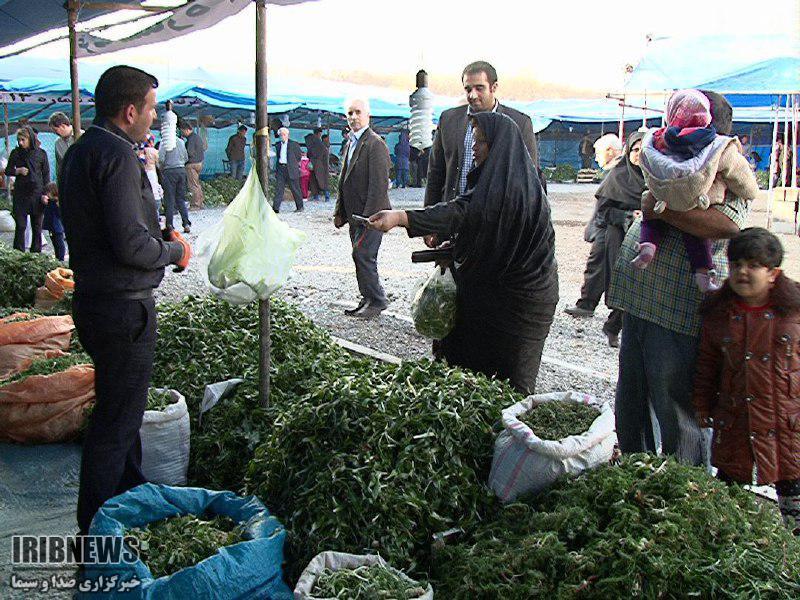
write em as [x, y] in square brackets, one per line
[249, 569]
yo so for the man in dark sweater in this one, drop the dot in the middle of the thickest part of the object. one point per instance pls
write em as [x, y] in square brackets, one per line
[118, 255]
[235, 152]
[196, 150]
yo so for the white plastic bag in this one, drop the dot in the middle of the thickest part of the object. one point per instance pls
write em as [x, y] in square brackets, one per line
[524, 463]
[7, 224]
[342, 560]
[434, 305]
[249, 254]
[165, 442]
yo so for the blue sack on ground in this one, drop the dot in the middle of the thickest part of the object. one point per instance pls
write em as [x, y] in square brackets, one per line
[249, 569]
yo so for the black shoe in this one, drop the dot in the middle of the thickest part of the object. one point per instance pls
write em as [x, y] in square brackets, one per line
[351, 312]
[613, 339]
[370, 311]
[577, 311]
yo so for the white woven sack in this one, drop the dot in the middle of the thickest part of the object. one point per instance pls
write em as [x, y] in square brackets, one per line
[165, 442]
[524, 463]
[341, 560]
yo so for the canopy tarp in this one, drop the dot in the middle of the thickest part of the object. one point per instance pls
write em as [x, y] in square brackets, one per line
[22, 19]
[673, 63]
[767, 83]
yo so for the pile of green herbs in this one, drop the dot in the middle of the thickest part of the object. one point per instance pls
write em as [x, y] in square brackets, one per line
[226, 187]
[22, 273]
[374, 582]
[211, 196]
[351, 455]
[558, 420]
[379, 459]
[211, 340]
[5, 202]
[562, 173]
[646, 528]
[159, 399]
[172, 544]
[49, 366]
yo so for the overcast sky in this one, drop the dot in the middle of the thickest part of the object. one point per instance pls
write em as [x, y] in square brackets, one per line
[577, 43]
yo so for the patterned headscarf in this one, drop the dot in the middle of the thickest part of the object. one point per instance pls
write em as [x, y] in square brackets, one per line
[688, 108]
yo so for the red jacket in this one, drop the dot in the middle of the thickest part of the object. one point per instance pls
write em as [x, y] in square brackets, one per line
[748, 381]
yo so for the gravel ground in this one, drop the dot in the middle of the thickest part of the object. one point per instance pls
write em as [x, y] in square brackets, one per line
[323, 284]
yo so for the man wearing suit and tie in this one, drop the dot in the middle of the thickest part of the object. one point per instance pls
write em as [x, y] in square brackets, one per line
[451, 153]
[287, 169]
[364, 190]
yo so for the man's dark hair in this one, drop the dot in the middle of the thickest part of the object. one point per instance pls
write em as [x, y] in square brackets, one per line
[758, 244]
[183, 125]
[721, 112]
[325, 136]
[241, 128]
[120, 86]
[57, 119]
[480, 66]
[317, 130]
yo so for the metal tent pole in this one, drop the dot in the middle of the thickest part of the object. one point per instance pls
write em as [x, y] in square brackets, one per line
[72, 18]
[262, 168]
[773, 162]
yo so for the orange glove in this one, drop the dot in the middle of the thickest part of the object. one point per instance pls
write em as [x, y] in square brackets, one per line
[187, 251]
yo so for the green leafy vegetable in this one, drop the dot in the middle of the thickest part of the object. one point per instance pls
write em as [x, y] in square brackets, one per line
[23, 272]
[434, 305]
[159, 399]
[172, 544]
[365, 583]
[49, 366]
[647, 528]
[557, 420]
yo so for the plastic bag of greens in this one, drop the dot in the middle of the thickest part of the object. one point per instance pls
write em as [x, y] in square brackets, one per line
[249, 254]
[434, 305]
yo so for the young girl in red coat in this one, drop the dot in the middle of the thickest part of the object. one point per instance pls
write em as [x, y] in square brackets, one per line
[747, 382]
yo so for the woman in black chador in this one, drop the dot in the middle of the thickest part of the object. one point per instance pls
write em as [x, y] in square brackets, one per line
[503, 253]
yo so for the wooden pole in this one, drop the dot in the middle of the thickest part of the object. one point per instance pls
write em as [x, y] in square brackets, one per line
[72, 18]
[262, 168]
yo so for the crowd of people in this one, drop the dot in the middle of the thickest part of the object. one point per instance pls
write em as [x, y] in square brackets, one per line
[692, 355]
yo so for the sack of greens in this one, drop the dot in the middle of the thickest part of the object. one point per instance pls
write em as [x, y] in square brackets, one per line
[339, 575]
[548, 436]
[165, 437]
[434, 305]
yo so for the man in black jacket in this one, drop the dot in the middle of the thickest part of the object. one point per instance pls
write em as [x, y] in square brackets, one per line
[451, 153]
[287, 169]
[363, 191]
[118, 255]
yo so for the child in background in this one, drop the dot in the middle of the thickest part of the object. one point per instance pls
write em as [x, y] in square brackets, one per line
[305, 173]
[747, 380]
[687, 165]
[52, 220]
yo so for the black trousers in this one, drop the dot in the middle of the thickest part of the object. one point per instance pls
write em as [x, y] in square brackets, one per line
[366, 243]
[175, 182]
[281, 178]
[594, 276]
[21, 214]
[614, 235]
[120, 336]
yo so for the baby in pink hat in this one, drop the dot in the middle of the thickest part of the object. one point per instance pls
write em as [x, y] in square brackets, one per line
[688, 165]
